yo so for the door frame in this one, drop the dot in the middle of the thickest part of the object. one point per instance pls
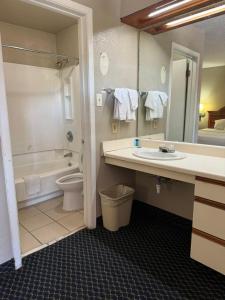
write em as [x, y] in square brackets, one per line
[196, 56]
[86, 54]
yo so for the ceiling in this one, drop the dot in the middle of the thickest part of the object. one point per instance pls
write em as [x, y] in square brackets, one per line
[214, 41]
[23, 14]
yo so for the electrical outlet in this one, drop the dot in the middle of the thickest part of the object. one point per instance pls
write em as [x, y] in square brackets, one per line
[99, 100]
[114, 127]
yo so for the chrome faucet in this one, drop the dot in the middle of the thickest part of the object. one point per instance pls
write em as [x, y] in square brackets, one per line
[69, 154]
[165, 149]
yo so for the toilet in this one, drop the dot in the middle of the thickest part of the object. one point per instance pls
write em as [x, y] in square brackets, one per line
[72, 185]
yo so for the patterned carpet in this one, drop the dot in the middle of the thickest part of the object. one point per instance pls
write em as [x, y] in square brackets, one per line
[147, 260]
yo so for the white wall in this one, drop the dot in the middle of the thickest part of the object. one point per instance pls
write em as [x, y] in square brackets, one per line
[35, 108]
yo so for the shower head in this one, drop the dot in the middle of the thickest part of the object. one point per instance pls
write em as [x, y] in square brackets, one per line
[61, 63]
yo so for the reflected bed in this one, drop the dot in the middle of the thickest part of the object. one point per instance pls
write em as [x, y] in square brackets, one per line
[212, 135]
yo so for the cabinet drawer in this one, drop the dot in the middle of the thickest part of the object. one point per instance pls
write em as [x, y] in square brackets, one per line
[210, 191]
[210, 219]
[208, 253]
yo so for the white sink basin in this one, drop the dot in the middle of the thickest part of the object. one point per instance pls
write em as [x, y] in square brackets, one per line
[155, 154]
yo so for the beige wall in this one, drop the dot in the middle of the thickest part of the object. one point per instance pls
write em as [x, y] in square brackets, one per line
[175, 197]
[28, 38]
[212, 91]
[67, 42]
[120, 43]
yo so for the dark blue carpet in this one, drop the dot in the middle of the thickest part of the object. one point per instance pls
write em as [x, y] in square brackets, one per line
[150, 259]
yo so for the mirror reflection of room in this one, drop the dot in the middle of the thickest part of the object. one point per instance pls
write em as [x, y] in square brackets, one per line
[181, 79]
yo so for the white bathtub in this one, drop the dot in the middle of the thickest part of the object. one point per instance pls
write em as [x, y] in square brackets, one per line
[49, 172]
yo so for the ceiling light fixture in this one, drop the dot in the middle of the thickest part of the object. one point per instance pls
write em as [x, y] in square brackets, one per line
[167, 8]
[197, 16]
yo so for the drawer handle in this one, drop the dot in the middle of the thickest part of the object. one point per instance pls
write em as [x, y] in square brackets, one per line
[210, 203]
[212, 181]
[208, 237]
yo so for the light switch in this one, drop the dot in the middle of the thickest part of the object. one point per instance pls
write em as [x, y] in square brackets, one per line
[99, 100]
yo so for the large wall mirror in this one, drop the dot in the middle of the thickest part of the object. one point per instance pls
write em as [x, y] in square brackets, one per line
[182, 83]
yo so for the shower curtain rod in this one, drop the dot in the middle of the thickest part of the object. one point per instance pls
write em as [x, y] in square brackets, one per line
[38, 51]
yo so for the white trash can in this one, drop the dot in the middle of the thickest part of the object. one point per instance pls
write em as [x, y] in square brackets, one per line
[116, 204]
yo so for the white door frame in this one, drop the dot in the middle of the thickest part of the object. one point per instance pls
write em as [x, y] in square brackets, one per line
[85, 25]
[189, 53]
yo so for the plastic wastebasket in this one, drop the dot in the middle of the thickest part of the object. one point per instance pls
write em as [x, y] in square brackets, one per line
[116, 204]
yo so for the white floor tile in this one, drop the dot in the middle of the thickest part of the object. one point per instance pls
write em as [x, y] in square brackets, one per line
[57, 213]
[35, 222]
[50, 204]
[49, 232]
[28, 242]
[28, 212]
[73, 221]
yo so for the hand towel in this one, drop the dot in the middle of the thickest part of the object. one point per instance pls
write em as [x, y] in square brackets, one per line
[154, 104]
[32, 184]
[133, 101]
[121, 104]
[126, 104]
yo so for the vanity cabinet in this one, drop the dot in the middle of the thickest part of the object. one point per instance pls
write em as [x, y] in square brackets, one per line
[208, 233]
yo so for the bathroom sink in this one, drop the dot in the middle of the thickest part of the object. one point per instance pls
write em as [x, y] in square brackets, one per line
[155, 154]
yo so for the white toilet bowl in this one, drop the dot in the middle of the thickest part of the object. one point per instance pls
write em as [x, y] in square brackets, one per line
[72, 185]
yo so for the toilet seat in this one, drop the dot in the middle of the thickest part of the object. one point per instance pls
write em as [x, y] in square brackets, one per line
[71, 178]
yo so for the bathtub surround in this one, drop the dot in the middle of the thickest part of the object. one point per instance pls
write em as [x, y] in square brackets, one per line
[48, 172]
[35, 108]
[38, 127]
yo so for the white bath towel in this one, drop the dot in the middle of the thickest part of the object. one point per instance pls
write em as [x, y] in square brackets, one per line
[32, 184]
[126, 103]
[121, 104]
[133, 100]
[155, 103]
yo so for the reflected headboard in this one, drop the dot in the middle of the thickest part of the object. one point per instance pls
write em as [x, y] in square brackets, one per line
[215, 115]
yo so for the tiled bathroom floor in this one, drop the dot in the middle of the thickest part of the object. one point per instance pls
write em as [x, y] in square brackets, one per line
[46, 222]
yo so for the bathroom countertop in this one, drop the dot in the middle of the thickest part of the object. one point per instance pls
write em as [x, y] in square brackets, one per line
[193, 165]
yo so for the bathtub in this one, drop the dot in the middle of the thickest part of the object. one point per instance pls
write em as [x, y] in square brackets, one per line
[49, 172]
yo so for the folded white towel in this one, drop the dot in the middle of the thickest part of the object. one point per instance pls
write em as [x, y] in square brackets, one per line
[32, 184]
[126, 104]
[133, 100]
[155, 103]
[121, 104]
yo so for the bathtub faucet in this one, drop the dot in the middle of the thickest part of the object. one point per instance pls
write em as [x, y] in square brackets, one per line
[69, 154]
